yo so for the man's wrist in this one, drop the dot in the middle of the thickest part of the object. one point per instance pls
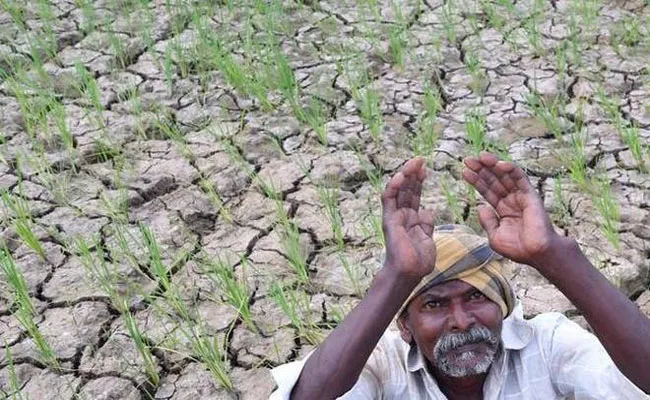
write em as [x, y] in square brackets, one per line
[552, 260]
[397, 279]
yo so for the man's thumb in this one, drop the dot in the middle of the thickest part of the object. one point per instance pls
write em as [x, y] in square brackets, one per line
[488, 218]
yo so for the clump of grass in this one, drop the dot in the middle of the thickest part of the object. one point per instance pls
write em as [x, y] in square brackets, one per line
[212, 353]
[549, 112]
[475, 128]
[372, 226]
[608, 209]
[365, 96]
[13, 380]
[210, 190]
[267, 188]
[25, 312]
[290, 237]
[103, 273]
[295, 305]
[22, 221]
[426, 137]
[452, 200]
[329, 198]
[632, 139]
[628, 132]
[235, 290]
[316, 117]
[473, 66]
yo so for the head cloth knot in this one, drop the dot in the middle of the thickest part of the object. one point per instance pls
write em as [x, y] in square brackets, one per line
[462, 254]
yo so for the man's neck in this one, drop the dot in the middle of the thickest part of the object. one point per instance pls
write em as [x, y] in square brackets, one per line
[467, 388]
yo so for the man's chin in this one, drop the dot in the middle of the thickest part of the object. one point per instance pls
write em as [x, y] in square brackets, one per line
[466, 361]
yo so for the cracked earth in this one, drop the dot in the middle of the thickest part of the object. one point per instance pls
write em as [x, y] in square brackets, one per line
[212, 170]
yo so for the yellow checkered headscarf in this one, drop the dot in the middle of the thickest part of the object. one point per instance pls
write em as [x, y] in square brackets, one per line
[462, 254]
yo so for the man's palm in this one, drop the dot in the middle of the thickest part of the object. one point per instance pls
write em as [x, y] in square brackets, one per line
[517, 224]
[409, 246]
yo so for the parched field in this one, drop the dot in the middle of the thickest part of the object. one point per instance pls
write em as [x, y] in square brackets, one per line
[190, 189]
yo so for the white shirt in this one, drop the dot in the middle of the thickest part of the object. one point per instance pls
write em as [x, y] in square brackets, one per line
[547, 357]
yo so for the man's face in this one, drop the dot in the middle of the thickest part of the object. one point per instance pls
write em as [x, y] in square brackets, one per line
[456, 327]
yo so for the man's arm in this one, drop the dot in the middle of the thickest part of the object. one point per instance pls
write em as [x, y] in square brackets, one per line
[519, 228]
[335, 366]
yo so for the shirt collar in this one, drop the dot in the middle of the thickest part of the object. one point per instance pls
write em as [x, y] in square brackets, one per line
[516, 333]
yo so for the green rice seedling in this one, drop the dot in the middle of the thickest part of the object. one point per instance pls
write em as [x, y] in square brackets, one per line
[211, 191]
[286, 80]
[475, 129]
[88, 86]
[119, 50]
[156, 267]
[267, 188]
[632, 138]
[578, 159]
[531, 27]
[562, 64]
[17, 12]
[103, 273]
[473, 66]
[451, 198]
[290, 238]
[548, 113]
[449, 21]
[143, 348]
[329, 198]
[168, 68]
[562, 211]
[22, 221]
[398, 37]
[99, 270]
[370, 109]
[25, 312]
[372, 227]
[167, 125]
[213, 354]
[426, 137]
[397, 44]
[609, 210]
[495, 17]
[89, 15]
[235, 290]
[374, 173]
[610, 105]
[13, 380]
[627, 31]
[295, 305]
[575, 42]
[316, 117]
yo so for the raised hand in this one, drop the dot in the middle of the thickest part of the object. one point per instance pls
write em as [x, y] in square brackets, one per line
[517, 224]
[410, 249]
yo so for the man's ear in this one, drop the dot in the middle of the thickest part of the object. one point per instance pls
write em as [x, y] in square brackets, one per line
[404, 330]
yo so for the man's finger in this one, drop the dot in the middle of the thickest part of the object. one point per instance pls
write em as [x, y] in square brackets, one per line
[488, 219]
[426, 221]
[481, 186]
[389, 197]
[411, 188]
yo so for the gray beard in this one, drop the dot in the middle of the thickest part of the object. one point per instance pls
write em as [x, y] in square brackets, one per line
[456, 364]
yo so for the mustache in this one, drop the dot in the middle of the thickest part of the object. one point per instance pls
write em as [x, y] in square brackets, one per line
[476, 334]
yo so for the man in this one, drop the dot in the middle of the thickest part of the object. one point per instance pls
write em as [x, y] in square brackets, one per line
[451, 298]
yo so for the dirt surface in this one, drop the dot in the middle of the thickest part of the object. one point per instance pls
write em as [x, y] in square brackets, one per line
[163, 139]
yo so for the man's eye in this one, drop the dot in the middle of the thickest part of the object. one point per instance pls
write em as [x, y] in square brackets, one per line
[477, 295]
[433, 304]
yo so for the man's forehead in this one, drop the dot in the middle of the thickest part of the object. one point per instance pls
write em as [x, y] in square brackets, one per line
[451, 287]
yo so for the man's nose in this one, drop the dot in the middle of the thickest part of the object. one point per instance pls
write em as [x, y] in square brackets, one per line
[459, 318]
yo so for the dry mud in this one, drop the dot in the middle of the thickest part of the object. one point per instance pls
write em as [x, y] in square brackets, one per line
[162, 179]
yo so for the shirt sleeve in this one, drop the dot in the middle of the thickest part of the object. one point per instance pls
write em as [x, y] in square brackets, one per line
[581, 368]
[368, 386]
